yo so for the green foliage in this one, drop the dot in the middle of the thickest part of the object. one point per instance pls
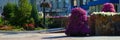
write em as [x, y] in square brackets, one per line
[1, 21]
[8, 11]
[18, 28]
[34, 15]
[53, 22]
[20, 16]
[39, 28]
[24, 10]
[31, 20]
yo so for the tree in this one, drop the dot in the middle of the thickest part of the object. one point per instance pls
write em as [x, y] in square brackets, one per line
[78, 23]
[24, 12]
[9, 12]
[34, 14]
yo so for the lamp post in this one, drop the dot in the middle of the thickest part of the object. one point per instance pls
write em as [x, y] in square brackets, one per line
[44, 5]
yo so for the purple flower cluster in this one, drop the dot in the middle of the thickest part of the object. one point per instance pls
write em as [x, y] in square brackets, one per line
[108, 7]
[78, 23]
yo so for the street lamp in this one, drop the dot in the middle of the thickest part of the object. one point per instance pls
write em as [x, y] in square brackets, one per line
[44, 5]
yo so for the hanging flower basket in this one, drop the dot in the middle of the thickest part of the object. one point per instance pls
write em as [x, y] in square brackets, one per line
[45, 4]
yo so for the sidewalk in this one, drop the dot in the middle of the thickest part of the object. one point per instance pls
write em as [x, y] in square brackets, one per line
[30, 36]
[51, 36]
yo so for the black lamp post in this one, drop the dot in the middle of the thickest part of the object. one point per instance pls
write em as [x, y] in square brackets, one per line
[44, 5]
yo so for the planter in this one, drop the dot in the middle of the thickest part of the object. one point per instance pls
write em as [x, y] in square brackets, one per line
[105, 23]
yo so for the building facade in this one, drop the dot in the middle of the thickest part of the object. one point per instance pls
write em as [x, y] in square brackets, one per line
[63, 7]
[96, 5]
[59, 7]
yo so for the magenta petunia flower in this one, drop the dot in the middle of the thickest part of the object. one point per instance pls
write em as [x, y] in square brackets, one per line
[108, 7]
[78, 23]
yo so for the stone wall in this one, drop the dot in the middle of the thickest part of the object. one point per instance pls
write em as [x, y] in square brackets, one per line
[104, 23]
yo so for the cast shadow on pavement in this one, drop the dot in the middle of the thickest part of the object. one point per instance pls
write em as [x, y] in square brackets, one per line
[10, 33]
[55, 37]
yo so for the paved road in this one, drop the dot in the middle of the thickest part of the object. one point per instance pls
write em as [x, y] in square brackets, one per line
[50, 36]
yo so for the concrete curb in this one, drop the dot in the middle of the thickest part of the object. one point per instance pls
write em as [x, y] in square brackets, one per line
[36, 31]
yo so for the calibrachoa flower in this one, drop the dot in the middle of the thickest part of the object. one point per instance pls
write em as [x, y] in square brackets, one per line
[30, 26]
[78, 23]
[108, 7]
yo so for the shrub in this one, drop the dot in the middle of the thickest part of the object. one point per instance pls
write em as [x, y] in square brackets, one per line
[30, 24]
[77, 23]
[1, 21]
[8, 11]
[108, 7]
[24, 14]
[56, 21]
[35, 15]
[53, 22]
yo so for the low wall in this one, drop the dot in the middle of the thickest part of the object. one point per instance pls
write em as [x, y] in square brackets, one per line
[57, 21]
[104, 23]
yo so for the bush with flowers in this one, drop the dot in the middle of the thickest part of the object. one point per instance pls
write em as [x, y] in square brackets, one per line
[77, 23]
[108, 7]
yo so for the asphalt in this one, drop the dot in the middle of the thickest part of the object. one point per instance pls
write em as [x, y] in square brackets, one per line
[51, 36]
